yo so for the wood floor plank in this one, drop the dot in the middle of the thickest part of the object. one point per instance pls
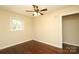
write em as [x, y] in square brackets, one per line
[31, 47]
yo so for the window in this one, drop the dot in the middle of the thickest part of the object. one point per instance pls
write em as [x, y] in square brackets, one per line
[16, 25]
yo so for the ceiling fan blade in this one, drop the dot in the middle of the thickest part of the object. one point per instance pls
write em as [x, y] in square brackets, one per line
[41, 13]
[44, 9]
[29, 11]
[34, 6]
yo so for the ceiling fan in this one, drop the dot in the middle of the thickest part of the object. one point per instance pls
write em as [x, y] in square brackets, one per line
[37, 11]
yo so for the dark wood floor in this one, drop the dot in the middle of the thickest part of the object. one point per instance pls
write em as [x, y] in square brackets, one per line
[70, 49]
[31, 47]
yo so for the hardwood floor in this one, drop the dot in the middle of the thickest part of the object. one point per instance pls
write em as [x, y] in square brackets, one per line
[31, 47]
[70, 49]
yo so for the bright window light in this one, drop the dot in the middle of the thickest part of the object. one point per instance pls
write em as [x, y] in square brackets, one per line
[16, 25]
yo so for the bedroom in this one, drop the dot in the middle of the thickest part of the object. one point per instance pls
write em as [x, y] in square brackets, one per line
[41, 31]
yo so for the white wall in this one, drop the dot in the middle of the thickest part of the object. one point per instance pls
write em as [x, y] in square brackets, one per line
[9, 38]
[71, 29]
[48, 28]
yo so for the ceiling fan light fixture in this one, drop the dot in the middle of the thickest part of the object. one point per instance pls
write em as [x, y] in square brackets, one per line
[36, 11]
[36, 14]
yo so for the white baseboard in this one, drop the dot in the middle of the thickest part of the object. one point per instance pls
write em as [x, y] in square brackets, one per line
[27, 41]
[71, 44]
[13, 44]
[48, 43]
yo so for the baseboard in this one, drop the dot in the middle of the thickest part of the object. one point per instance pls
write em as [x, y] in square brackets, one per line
[49, 44]
[1, 48]
[58, 49]
[71, 44]
[32, 47]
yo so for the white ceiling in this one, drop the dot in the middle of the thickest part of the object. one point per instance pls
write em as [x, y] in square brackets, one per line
[21, 8]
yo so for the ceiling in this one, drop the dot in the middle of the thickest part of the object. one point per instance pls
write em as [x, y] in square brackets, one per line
[21, 8]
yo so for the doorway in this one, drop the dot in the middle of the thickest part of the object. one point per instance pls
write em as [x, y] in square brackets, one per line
[70, 33]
